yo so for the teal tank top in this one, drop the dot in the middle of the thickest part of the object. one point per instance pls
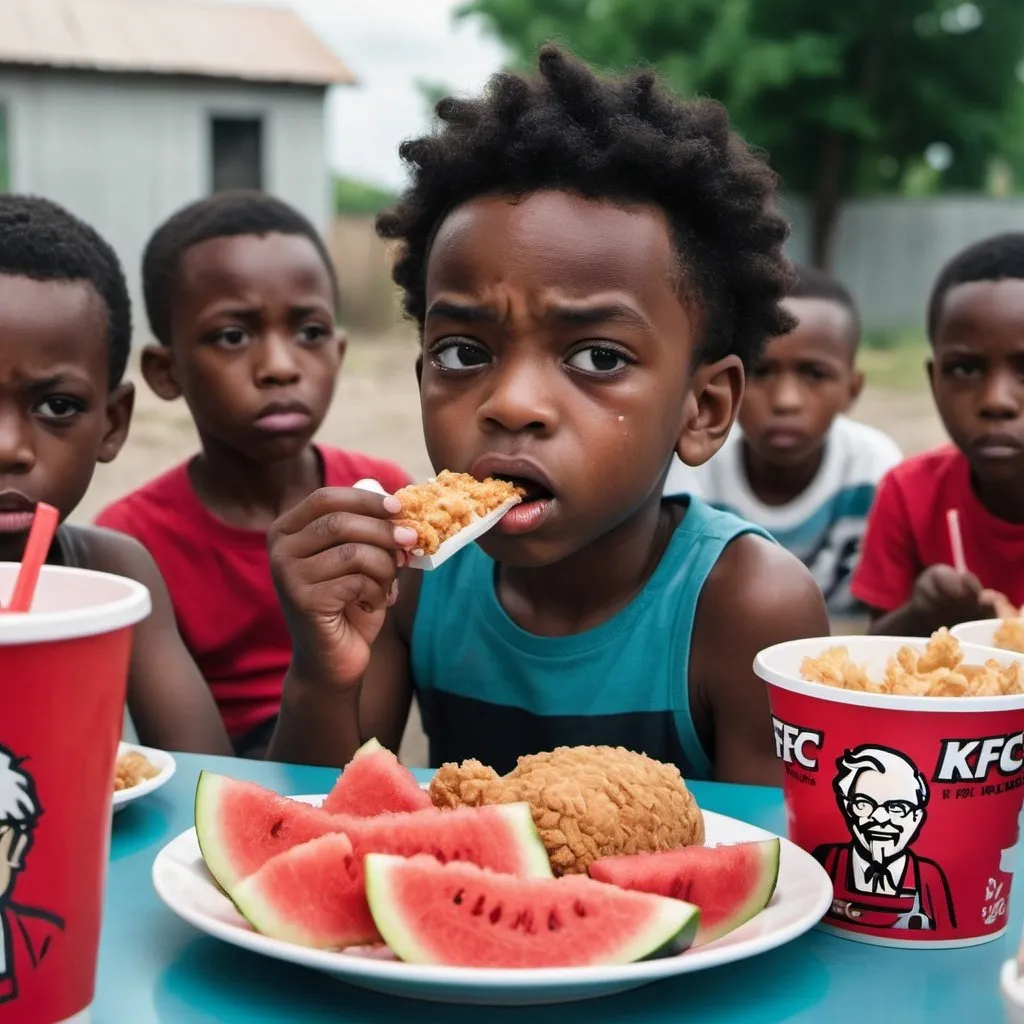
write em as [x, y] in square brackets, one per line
[488, 689]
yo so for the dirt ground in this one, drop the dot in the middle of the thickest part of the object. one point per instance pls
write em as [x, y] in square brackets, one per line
[376, 411]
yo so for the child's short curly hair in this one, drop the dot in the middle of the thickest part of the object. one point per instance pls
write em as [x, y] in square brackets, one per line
[996, 258]
[43, 241]
[627, 140]
[223, 215]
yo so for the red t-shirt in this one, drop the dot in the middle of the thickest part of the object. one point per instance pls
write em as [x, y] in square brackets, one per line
[907, 532]
[219, 580]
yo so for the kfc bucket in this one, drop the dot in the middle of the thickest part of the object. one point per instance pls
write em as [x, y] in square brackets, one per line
[63, 673]
[911, 803]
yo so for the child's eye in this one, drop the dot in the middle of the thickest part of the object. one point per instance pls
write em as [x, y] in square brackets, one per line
[815, 373]
[961, 369]
[230, 337]
[460, 355]
[60, 407]
[598, 359]
[312, 333]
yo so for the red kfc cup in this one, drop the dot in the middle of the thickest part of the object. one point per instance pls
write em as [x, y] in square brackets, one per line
[63, 676]
[911, 804]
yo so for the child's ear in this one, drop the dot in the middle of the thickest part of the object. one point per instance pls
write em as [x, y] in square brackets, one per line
[341, 340]
[120, 403]
[419, 368]
[158, 372]
[856, 386]
[710, 408]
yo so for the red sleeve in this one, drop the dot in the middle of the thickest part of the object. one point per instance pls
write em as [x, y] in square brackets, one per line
[888, 564]
[117, 516]
[392, 477]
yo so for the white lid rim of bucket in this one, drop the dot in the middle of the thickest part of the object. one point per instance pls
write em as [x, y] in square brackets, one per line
[109, 617]
[884, 701]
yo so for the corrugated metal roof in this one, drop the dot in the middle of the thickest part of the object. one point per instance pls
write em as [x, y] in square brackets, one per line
[178, 37]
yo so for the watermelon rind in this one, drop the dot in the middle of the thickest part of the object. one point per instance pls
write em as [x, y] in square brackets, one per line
[208, 792]
[668, 932]
[368, 747]
[769, 851]
[535, 862]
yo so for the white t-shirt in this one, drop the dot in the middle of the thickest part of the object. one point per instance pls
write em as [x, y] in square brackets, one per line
[824, 525]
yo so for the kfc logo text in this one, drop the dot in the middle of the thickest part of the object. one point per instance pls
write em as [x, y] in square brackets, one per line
[973, 760]
[796, 745]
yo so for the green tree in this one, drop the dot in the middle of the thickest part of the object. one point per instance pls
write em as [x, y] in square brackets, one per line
[845, 96]
[360, 197]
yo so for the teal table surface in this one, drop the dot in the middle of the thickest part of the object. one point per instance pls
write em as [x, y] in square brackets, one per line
[155, 967]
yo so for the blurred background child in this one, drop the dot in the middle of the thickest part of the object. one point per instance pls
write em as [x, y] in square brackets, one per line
[908, 573]
[798, 465]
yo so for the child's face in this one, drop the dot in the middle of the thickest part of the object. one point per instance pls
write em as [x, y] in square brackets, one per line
[254, 346]
[58, 417]
[977, 375]
[557, 351]
[802, 381]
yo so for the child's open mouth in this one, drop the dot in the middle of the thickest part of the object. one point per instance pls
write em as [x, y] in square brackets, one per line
[530, 513]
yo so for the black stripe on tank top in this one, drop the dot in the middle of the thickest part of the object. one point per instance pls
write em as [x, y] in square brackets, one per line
[459, 728]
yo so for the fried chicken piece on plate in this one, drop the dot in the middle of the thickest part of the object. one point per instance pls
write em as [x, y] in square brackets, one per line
[587, 802]
[440, 508]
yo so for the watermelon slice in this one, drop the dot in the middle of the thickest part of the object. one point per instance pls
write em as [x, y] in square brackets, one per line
[374, 782]
[463, 916]
[312, 895]
[730, 884]
[240, 826]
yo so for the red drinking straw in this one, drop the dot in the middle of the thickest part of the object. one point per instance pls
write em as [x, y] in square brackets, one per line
[956, 541]
[40, 537]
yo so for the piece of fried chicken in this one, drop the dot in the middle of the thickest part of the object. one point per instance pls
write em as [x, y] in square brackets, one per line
[587, 802]
[441, 507]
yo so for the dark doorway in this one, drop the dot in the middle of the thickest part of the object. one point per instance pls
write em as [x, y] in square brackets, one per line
[237, 152]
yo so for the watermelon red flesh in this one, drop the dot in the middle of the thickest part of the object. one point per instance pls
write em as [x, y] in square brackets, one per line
[730, 884]
[312, 895]
[460, 915]
[240, 826]
[374, 782]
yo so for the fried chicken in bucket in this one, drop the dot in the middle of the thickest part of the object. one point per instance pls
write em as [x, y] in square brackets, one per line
[587, 802]
[440, 508]
[937, 671]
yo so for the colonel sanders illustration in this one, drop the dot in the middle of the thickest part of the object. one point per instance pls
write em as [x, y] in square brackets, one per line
[878, 880]
[26, 933]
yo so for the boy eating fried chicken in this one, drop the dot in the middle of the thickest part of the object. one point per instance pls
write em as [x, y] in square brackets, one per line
[592, 263]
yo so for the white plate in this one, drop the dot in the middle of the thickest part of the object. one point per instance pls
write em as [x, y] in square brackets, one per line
[803, 895]
[159, 759]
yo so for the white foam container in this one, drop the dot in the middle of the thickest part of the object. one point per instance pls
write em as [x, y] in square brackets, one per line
[980, 632]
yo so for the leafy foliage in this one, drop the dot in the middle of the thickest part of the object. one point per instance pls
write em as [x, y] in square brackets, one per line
[846, 97]
[360, 197]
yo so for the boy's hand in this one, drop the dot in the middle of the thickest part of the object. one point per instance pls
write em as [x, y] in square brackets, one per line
[334, 559]
[946, 597]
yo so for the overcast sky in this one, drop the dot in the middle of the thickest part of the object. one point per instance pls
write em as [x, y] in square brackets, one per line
[389, 45]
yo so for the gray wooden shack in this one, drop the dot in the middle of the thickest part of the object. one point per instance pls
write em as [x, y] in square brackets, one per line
[124, 110]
